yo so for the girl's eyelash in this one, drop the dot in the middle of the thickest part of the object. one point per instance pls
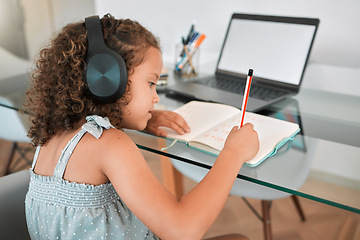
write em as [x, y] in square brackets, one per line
[152, 83]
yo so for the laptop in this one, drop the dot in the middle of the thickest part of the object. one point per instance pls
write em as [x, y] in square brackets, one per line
[277, 48]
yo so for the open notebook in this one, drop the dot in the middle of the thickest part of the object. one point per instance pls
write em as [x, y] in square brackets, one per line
[210, 124]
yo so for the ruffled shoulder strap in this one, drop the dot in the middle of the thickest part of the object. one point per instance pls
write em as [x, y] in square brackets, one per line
[94, 126]
[36, 155]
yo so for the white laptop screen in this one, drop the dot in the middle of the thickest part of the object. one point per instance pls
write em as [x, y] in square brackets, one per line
[275, 50]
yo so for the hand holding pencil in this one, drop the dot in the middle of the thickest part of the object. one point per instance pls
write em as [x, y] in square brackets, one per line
[235, 142]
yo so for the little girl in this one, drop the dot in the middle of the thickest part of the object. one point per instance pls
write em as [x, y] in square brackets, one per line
[88, 178]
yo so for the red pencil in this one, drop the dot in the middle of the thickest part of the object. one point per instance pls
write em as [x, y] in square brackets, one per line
[246, 97]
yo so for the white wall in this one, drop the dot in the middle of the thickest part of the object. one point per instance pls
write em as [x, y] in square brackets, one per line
[43, 18]
[337, 41]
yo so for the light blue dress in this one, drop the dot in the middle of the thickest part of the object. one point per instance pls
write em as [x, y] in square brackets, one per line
[59, 209]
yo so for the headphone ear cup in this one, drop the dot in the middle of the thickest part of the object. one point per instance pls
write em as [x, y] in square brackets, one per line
[106, 76]
[106, 73]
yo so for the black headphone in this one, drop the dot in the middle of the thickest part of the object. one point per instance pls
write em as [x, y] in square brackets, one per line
[106, 73]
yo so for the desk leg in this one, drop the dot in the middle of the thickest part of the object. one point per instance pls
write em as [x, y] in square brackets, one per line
[172, 178]
[11, 156]
[298, 207]
[265, 206]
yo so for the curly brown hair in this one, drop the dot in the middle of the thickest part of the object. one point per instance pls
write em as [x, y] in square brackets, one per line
[57, 99]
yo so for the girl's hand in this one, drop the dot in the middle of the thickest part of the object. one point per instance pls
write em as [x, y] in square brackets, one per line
[163, 118]
[243, 142]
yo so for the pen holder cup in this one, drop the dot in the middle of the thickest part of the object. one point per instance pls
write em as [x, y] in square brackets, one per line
[186, 61]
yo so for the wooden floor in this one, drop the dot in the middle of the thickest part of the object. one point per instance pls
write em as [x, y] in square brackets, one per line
[322, 221]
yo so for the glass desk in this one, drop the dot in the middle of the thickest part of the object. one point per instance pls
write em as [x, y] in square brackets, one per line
[326, 151]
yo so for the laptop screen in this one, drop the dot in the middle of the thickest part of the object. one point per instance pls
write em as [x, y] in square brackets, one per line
[275, 50]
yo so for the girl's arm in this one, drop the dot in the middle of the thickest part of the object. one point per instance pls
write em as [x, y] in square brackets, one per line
[158, 209]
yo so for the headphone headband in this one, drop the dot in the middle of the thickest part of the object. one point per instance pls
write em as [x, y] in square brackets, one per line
[94, 33]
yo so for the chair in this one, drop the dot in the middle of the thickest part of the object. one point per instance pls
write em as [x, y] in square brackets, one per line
[13, 188]
[11, 65]
[294, 171]
[12, 129]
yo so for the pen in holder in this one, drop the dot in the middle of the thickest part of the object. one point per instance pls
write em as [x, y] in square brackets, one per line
[187, 56]
[186, 62]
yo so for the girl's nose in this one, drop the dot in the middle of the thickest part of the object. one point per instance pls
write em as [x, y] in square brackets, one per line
[156, 98]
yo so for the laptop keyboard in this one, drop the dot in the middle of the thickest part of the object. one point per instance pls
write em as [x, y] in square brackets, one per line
[256, 91]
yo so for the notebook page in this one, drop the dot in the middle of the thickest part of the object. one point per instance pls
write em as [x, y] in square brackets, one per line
[270, 132]
[202, 116]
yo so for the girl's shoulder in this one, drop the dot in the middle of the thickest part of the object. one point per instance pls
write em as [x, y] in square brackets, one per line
[118, 154]
[115, 141]
[114, 135]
